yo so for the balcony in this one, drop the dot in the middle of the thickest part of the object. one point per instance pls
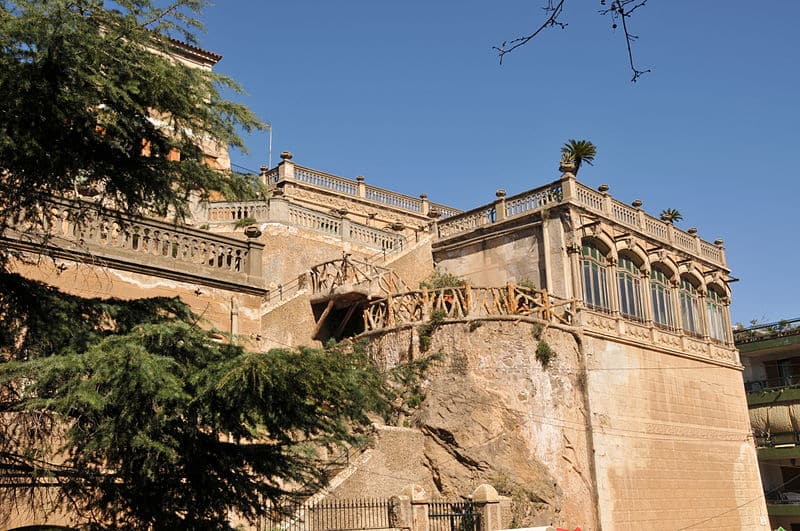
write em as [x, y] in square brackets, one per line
[780, 335]
[783, 503]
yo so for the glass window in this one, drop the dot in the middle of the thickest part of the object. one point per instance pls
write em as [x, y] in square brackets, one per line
[630, 291]
[690, 308]
[595, 283]
[715, 315]
[661, 298]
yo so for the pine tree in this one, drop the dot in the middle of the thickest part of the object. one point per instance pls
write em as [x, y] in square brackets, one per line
[128, 413]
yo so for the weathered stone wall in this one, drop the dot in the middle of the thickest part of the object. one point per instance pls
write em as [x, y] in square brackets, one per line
[227, 311]
[508, 257]
[672, 441]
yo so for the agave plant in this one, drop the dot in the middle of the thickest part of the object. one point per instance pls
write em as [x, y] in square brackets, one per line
[578, 152]
[671, 215]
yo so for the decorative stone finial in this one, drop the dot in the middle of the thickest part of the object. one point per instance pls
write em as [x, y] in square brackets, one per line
[719, 242]
[603, 188]
[423, 195]
[500, 193]
[342, 211]
[286, 155]
[637, 203]
[692, 230]
[252, 231]
[397, 226]
[360, 178]
[434, 214]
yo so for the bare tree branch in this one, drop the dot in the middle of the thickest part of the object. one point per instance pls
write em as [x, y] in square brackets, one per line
[619, 11]
[552, 20]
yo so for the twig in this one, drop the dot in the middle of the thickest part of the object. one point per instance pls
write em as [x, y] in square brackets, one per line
[551, 21]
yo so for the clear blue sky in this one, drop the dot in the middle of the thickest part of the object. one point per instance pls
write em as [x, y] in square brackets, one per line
[411, 95]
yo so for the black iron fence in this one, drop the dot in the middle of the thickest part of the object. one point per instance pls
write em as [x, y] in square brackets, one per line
[330, 515]
[363, 514]
[453, 516]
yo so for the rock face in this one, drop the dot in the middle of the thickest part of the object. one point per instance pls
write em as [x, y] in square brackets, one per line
[492, 414]
[473, 438]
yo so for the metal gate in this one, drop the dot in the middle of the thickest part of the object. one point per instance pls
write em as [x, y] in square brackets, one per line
[329, 515]
[453, 516]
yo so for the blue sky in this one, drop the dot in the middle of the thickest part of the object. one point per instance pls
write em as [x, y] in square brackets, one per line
[411, 95]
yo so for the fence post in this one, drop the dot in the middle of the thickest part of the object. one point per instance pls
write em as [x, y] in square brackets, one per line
[487, 504]
[418, 500]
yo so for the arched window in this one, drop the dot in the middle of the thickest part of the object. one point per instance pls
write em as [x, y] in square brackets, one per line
[690, 308]
[715, 315]
[630, 289]
[661, 298]
[595, 277]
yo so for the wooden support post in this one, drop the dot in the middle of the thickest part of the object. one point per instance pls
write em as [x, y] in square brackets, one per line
[322, 318]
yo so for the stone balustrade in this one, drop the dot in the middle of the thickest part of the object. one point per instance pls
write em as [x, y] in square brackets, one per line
[288, 172]
[569, 190]
[675, 341]
[279, 209]
[223, 211]
[502, 209]
[76, 229]
[636, 218]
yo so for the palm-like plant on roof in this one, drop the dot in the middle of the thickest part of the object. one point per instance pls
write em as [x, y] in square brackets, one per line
[578, 152]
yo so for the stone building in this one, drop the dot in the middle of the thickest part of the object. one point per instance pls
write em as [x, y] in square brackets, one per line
[588, 364]
[771, 357]
[588, 368]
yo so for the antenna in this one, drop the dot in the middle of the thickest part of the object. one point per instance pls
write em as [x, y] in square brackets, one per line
[269, 146]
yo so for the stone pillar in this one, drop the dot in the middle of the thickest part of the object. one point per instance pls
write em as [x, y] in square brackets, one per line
[568, 187]
[361, 188]
[401, 514]
[426, 206]
[500, 205]
[487, 504]
[418, 500]
[234, 319]
[286, 167]
[254, 263]
[345, 228]
[278, 207]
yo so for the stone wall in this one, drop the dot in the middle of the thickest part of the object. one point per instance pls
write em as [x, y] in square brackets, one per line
[507, 257]
[672, 441]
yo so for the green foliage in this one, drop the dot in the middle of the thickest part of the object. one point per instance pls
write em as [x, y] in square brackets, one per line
[578, 152]
[405, 386]
[159, 425]
[91, 98]
[425, 332]
[536, 330]
[439, 280]
[244, 222]
[544, 353]
[671, 215]
[474, 325]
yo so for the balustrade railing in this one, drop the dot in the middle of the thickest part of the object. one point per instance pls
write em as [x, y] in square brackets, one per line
[658, 229]
[358, 189]
[220, 211]
[141, 242]
[512, 207]
[467, 302]
[762, 332]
